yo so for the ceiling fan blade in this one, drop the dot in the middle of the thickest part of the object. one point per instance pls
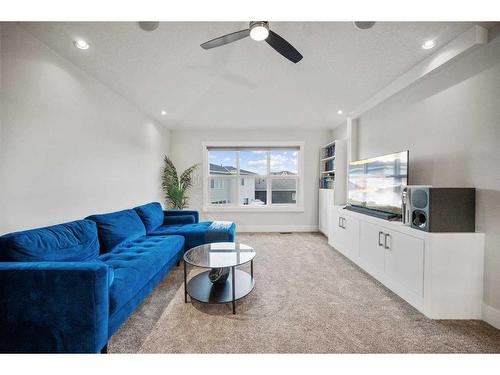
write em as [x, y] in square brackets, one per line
[225, 39]
[283, 47]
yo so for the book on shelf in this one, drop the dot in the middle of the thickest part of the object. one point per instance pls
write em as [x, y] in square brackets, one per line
[329, 165]
[326, 183]
[329, 151]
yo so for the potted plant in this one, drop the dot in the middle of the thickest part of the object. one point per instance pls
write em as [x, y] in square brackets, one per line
[175, 187]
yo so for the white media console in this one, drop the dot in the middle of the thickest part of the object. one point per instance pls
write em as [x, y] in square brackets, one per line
[440, 274]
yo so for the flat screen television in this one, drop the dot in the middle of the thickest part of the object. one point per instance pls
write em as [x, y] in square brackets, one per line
[377, 183]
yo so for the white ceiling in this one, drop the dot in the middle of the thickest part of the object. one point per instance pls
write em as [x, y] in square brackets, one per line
[245, 84]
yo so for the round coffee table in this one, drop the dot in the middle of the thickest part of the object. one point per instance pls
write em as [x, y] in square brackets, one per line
[223, 283]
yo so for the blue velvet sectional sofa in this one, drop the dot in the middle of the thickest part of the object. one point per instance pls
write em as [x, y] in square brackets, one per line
[69, 287]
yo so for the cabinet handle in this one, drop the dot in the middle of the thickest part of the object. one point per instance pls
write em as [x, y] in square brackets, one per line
[340, 221]
[343, 222]
[379, 241]
[385, 241]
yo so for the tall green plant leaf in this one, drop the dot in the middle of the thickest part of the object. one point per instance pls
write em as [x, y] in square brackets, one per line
[175, 188]
[186, 180]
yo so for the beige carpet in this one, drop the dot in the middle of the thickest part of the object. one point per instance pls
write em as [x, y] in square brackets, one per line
[308, 298]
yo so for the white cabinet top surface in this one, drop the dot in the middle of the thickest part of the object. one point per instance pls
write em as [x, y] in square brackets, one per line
[400, 227]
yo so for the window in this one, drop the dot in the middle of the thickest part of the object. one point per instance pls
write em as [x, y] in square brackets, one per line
[222, 190]
[216, 184]
[283, 190]
[253, 176]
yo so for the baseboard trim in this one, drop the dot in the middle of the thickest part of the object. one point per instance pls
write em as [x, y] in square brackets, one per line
[491, 315]
[275, 228]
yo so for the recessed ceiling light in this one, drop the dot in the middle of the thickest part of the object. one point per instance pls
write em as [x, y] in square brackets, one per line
[259, 31]
[81, 44]
[163, 113]
[149, 25]
[428, 44]
[339, 112]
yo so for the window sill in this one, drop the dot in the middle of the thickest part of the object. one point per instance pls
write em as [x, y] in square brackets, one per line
[253, 209]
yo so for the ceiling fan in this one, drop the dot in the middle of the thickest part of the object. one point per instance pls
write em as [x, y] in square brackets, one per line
[259, 31]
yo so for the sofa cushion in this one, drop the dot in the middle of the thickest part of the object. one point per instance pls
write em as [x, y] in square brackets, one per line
[172, 213]
[179, 219]
[151, 215]
[136, 262]
[68, 242]
[200, 233]
[118, 227]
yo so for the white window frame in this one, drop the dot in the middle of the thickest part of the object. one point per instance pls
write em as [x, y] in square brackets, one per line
[269, 207]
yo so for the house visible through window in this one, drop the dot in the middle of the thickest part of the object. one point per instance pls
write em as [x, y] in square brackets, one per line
[266, 176]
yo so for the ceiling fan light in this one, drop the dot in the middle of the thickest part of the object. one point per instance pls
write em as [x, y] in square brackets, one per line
[259, 32]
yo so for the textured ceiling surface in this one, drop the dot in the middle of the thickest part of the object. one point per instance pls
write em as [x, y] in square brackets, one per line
[245, 84]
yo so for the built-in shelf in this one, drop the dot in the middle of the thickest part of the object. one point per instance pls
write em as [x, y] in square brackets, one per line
[332, 180]
[328, 144]
[329, 158]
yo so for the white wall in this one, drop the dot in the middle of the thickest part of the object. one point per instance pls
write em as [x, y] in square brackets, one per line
[70, 146]
[186, 149]
[450, 122]
[340, 132]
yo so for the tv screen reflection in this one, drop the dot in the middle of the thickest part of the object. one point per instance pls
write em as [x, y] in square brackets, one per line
[377, 183]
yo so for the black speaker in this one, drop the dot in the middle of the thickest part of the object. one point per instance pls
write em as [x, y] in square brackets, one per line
[443, 209]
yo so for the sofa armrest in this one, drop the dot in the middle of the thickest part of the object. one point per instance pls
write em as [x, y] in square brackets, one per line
[54, 306]
[170, 213]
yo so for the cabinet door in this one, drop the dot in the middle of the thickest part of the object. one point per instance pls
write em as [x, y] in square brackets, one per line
[371, 248]
[344, 233]
[404, 261]
[322, 212]
[337, 233]
[328, 220]
[329, 198]
[351, 235]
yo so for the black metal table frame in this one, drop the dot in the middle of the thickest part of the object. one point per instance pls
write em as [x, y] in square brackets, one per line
[233, 284]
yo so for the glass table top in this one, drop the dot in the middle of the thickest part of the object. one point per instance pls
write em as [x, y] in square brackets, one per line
[219, 254]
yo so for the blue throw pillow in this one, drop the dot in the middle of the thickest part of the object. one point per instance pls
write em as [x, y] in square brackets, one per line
[151, 215]
[68, 242]
[118, 227]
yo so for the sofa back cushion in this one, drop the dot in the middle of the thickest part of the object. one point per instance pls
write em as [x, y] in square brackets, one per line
[68, 242]
[151, 215]
[117, 227]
